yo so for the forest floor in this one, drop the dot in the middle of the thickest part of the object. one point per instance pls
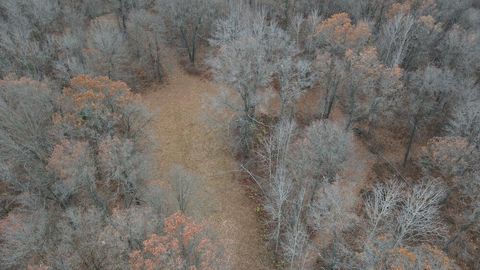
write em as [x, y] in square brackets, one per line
[184, 138]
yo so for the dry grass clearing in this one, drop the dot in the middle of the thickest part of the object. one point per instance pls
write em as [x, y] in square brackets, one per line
[184, 139]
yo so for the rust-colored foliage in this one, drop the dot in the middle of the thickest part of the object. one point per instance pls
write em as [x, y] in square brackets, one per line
[97, 104]
[184, 245]
[88, 91]
[366, 62]
[339, 32]
[372, 78]
[426, 257]
[429, 22]
[410, 6]
[398, 8]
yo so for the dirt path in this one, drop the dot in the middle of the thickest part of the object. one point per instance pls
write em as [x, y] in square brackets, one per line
[186, 140]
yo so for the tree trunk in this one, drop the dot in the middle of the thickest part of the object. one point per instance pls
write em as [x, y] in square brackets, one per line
[123, 16]
[349, 122]
[194, 42]
[277, 229]
[157, 61]
[410, 141]
[331, 100]
[286, 13]
[372, 117]
[331, 92]
[251, 122]
[194, 48]
[186, 44]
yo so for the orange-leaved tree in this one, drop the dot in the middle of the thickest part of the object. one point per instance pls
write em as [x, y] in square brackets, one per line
[94, 107]
[338, 33]
[183, 245]
[110, 120]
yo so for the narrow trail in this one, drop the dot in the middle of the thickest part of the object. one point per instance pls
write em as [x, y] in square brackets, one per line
[185, 139]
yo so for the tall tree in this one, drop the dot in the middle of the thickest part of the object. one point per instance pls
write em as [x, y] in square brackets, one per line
[189, 21]
[428, 101]
[245, 63]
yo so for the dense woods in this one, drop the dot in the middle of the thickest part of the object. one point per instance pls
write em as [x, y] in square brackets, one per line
[356, 124]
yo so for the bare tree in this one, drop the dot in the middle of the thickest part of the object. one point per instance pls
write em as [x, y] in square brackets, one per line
[468, 221]
[81, 232]
[71, 60]
[431, 95]
[24, 36]
[108, 45]
[296, 244]
[419, 219]
[278, 185]
[320, 155]
[466, 121]
[244, 64]
[183, 183]
[23, 55]
[382, 205]
[328, 68]
[421, 40]
[40, 13]
[229, 28]
[295, 77]
[189, 21]
[22, 237]
[460, 52]
[72, 164]
[146, 31]
[457, 159]
[279, 191]
[366, 86]
[296, 27]
[450, 156]
[26, 110]
[395, 39]
[124, 168]
[332, 215]
[311, 22]
[469, 187]
[135, 224]
[43, 13]
[122, 9]
[399, 216]
[87, 8]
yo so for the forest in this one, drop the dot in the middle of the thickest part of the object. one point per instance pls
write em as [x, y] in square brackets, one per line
[240, 134]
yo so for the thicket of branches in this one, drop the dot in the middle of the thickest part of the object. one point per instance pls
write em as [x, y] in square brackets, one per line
[408, 68]
[75, 145]
[73, 170]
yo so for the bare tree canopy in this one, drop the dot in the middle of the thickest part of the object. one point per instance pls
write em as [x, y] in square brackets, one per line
[296, 134]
